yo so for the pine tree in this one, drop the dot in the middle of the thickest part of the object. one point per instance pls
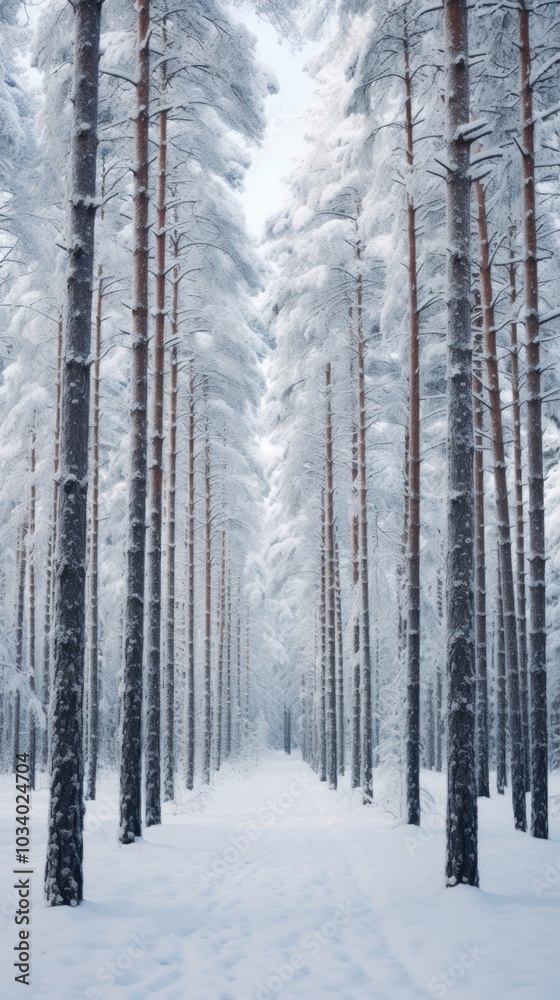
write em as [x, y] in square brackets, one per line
[132, 686]
[462, 817]
[64, 865]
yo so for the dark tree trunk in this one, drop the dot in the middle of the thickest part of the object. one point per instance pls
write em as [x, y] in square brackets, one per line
[537, 592]
[132, 686]
[413, 629]
[20, 614]
[502, 513]
[221, 650]
[228, 694]
[247, 677]
[239, 702]
[153, 674]
[519, 529]
[366, 720]
[330, 693]
[169, 730]
[439, 712]
[31, 664]
[51, 549]
[340, 727]
[93, 583]
[190, 591]
[356, 665]
[207, 711]
[501, 701]
[462, 813]
[64, 864]
[322, 680]
[482, 769]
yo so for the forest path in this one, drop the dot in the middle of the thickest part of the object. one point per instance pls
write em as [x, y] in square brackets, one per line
[269, 885]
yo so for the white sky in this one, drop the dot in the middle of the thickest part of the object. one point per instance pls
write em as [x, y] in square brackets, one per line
[264, 187]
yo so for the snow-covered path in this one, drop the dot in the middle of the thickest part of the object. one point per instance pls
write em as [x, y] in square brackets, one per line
[268, 885]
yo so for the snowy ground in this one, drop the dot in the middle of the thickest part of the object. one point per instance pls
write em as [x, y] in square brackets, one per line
[269, 885]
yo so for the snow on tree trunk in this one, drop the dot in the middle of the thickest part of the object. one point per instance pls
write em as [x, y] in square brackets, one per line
[482, 772]
[207, 702]
[190, 590]
[519, 526]
[64, 864]
[413, 628]
[501, 698]
[340, 722]
[228, 687]
[322, 679]
[93, 566]
[356, 665]
[330, 693]
[502, 515]
[439, 711]
[462, 814]
[366, 720]
[20, 614]
[153, 673]
[49, 595]
[221, 650]
[132, 680]
[535, 474]
[31, 664]
[169, 681]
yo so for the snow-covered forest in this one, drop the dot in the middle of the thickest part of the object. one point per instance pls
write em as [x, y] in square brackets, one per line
[280, 517]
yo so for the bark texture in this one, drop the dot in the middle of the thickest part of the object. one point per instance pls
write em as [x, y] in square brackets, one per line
[502, 517]
[132, 680]
[462, 814]
[64, 864]
[535, 471]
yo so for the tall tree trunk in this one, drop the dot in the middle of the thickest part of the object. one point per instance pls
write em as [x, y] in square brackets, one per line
[247, 675]
[502, 512]
[537, 592]
[132, 686]
[228, 694]
[340, 723]
[238, 706]
[169, 729]
[367, 742]
[501, 700]
[49, 595]
[439, 713]
[20, 614]
[221, 645]
[64, 864]
[207, 713]
[519, 528]
[462, 811]
[482, 767]
[31, 664]
[93, 643]
[330, 693]
[413, 629]
[322, 679]
[190, 590]
[356, 665]
[153, 674]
